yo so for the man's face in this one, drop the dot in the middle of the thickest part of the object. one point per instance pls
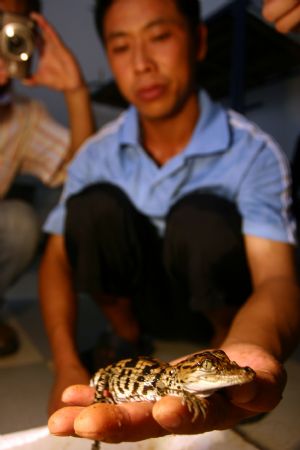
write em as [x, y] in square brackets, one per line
[151, 54]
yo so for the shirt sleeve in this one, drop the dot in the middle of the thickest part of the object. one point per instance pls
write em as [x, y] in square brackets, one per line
[46, 144]
[79, 176]
[265, 196]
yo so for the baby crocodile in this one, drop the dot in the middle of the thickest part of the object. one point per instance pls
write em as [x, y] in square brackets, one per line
[148, 379]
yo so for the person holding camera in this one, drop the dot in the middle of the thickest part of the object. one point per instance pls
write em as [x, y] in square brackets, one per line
[178, 207]
[31, 141]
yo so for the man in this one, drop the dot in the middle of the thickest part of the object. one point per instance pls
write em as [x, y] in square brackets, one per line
[171, 207]
[32, 142]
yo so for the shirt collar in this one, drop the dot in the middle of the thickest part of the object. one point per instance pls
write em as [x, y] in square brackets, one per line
[130, 130]
[211, 134]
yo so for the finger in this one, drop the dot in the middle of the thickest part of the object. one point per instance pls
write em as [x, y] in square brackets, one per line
[263, 394]
[29, 81]
[3, 70]
[47, 30]
[40, 21]
[273, 10]
[78, 394]
[61, 423]
[117, 423]
[242, 395]
[174, 416]
[289, 22]
[32, 80]
[285, 15]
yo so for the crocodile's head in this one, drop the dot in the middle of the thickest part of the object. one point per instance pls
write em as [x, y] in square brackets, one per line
[205, 372]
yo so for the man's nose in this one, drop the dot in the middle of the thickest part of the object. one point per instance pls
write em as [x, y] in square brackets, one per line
[142, 60]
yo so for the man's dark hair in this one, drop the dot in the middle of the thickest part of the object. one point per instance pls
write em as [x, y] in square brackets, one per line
[34, 5]
[190, 9]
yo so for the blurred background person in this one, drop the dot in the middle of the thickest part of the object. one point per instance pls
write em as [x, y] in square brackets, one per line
[32, 142]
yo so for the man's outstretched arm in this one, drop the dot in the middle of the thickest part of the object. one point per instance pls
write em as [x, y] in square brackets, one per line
[262, 335]
[59, 308]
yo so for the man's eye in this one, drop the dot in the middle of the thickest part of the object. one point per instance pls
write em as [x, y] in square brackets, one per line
[120, 48]
[161, 36]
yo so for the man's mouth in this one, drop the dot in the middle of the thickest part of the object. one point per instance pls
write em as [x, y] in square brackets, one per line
[151, 92]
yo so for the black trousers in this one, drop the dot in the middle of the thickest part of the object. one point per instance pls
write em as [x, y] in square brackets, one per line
[199, 264]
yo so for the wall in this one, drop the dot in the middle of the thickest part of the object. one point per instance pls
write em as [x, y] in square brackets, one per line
[278, 111]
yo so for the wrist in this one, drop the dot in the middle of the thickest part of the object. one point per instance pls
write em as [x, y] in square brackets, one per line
[78, 88]
[64, 349]
[70, 362]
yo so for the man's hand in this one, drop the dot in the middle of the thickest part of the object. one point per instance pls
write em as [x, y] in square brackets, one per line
[137, 421]
[266, 391]
[57, 68]
[63, 379]
[285, 14]
[4, 75]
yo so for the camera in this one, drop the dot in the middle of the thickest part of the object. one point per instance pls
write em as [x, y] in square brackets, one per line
[17, 43]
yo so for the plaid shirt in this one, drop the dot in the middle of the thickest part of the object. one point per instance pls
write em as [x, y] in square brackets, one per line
[31, 142]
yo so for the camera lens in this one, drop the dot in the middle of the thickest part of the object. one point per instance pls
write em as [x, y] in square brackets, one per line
[16, 44]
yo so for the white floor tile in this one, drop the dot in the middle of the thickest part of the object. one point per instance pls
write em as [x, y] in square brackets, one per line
[24, 394]
[27, 353]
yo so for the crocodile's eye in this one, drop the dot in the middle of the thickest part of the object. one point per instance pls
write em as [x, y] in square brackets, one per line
[207, 365]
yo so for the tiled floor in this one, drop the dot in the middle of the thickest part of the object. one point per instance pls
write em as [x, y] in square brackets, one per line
[25, 381]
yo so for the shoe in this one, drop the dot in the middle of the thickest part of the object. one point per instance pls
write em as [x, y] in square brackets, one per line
[9, 342]
[112, 348]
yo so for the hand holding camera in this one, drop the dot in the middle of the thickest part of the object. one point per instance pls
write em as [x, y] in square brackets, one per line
[57, 68]
[20, 37]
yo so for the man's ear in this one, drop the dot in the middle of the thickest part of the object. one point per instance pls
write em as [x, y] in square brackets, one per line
[202, 42]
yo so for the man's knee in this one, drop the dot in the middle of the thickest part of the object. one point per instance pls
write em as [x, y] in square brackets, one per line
[204, 221]
[204, 248]
[19, 238]
[19, 227]
[96, 205]
[103, 196]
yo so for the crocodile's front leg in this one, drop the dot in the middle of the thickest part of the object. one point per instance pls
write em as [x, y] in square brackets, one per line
[194, 404]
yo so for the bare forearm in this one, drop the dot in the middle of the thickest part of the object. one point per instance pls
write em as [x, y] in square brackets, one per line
[58, 305]
[270, 318]
[81, 119]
